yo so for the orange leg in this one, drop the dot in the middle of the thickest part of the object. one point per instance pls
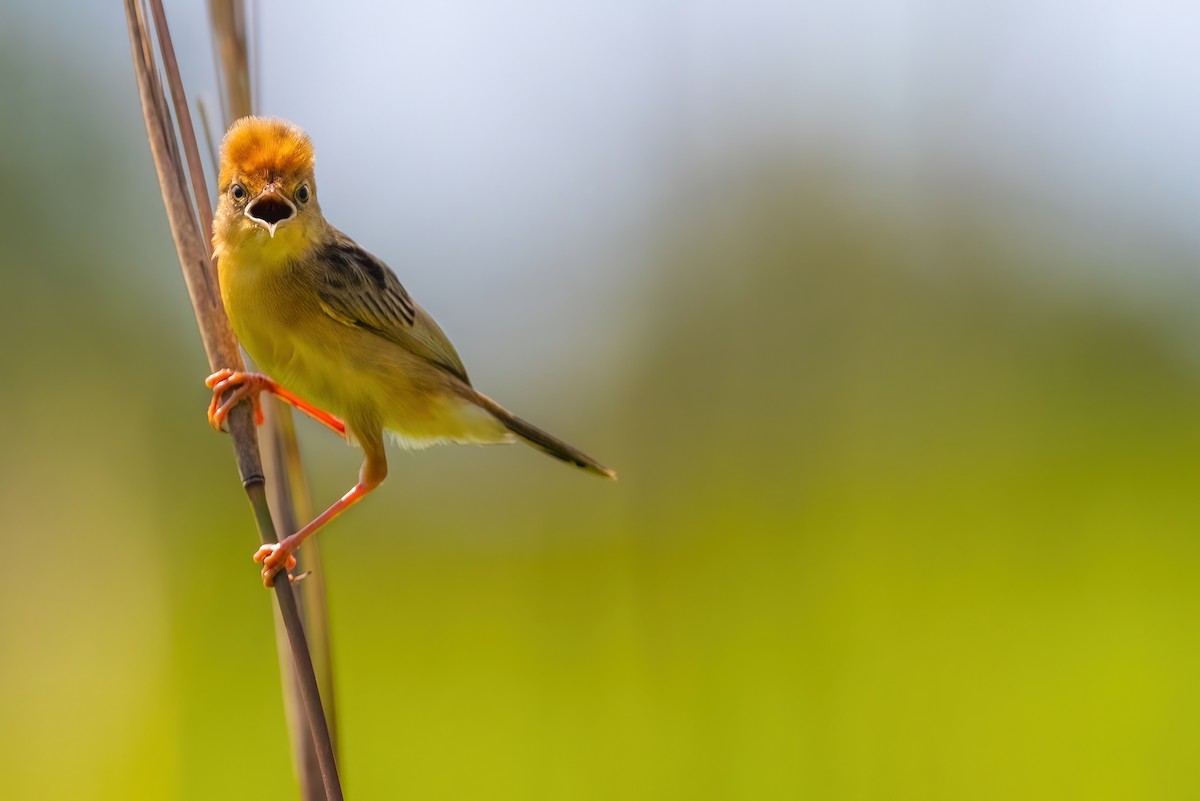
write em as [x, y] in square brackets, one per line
[278, 556]
[248, 385]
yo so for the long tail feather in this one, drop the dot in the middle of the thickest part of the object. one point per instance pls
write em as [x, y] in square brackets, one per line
[544, 442]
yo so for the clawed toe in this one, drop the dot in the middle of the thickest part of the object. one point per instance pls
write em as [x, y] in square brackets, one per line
[274, 558]
[218, 377]
[240, 386]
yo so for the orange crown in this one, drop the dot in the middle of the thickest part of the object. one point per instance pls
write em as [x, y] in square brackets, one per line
[263, 148]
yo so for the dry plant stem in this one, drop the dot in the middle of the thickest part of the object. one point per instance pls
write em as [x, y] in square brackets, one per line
[217, 336]
[285, 511]
[232, 56]
[281, 456]
[184, 115]
[287, 489]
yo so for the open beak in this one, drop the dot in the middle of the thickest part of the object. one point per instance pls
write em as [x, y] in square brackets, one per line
[270, 209]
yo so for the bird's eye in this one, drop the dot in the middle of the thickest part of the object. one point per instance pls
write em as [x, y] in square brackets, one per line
[302, 193]
[237, 192]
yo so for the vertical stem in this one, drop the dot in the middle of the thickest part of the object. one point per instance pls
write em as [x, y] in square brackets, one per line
[219, 342]
[184, 115]
[234, 39]
[284, 507]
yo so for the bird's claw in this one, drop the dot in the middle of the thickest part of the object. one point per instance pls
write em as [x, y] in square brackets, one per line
[273, 558]
[240, 386]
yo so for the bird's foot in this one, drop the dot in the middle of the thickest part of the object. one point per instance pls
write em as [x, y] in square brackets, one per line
[274, 558]
[240, 386]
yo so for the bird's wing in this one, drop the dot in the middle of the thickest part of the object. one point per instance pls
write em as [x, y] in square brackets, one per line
[359, 290]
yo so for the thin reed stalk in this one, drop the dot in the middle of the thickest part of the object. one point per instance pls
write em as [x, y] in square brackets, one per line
[234, 44]
[220, 345]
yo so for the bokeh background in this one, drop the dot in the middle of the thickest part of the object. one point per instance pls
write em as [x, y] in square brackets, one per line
[884, 310]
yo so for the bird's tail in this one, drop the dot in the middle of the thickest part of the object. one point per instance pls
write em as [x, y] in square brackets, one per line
[546, 443]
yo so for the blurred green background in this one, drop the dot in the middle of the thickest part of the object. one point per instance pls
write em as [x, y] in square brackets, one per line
[883, 311]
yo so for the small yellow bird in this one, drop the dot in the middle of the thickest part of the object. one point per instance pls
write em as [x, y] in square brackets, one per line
[336, 334]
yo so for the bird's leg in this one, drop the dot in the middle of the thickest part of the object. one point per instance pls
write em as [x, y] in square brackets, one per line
[278, 556]
[248, 385]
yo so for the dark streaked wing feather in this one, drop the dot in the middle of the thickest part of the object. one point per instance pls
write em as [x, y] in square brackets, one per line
[359, 290]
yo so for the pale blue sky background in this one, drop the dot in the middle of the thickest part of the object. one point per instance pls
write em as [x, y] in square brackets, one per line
[538, 147]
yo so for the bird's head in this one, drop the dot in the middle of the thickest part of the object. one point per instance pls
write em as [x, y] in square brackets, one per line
[268, 193]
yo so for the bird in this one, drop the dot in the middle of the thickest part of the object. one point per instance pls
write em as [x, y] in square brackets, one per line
[332, 329]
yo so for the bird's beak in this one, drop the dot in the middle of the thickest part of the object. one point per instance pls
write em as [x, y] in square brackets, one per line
[270, 209]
